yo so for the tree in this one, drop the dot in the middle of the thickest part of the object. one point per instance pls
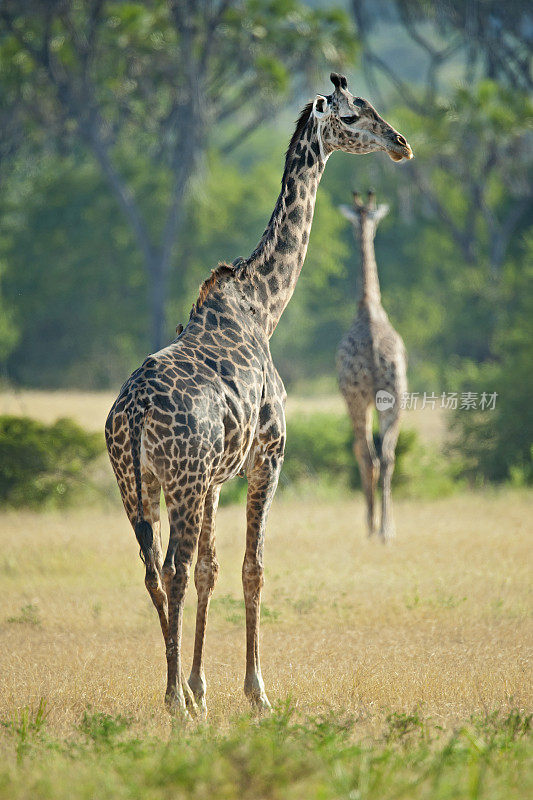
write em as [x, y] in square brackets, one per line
[484, 38]
[471, 140]
[494, 444]
[146, 86]
[75, 280]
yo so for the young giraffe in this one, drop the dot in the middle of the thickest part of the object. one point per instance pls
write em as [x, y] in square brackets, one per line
[210, 405]
[371, 358]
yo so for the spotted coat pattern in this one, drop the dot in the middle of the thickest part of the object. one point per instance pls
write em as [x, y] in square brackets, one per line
[371, 358]
[211, 404]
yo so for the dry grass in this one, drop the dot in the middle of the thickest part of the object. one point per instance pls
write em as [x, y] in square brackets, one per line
[438, 621]
[89, 409]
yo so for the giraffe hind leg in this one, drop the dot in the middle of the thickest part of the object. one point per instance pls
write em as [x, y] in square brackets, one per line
[150, 533]
[367, 460]
[205, 575]
[389, 424]
[147, 531]
[262, 483]
[185, 513]
[153, 555]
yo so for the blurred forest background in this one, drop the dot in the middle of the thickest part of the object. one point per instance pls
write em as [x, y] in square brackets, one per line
[143, 142]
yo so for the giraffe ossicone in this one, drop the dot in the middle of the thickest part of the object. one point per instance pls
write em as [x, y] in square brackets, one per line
[211, 404]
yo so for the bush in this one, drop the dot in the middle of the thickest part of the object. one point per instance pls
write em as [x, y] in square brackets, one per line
[321, 445]
[44, 465]
[496, 444]
[280, 756]
[319, 450]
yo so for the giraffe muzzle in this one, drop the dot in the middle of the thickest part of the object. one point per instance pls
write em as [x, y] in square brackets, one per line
[399, 149]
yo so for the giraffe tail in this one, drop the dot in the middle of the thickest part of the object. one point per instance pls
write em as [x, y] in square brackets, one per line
[142, 528]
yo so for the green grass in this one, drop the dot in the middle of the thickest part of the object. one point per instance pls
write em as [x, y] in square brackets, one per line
[29, 615]
[280, 757]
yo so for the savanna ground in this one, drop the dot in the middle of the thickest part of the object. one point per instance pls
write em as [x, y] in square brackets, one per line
[397, 672]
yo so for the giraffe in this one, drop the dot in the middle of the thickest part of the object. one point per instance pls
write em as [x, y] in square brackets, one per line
[211, 404]
[371, 369]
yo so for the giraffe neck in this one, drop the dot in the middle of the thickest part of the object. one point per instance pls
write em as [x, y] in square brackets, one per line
[277, 260]
[369, 290]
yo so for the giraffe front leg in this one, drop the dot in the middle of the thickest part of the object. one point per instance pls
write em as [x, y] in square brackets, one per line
[205, 575]
[369, 471]
[363, 447]
[390, 428]
[262, 483]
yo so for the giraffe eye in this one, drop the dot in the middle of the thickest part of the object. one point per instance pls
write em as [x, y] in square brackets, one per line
[349, 120]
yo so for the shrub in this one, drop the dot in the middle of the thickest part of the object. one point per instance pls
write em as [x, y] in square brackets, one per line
[320, 450]
[44, 464]
[496, 444]
[321, 445]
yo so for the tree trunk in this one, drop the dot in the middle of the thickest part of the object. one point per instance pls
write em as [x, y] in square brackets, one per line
[157, 290]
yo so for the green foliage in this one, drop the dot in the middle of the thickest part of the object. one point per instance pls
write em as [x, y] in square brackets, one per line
[103, 730]
[500, 728]
[318, 445]
[26, 728]
[403, 727]
[73, 287]
[29, 615]
[320, 448]
[496, 445]
[44, 465]
[451, 253]
[319, 454]
[280, 756]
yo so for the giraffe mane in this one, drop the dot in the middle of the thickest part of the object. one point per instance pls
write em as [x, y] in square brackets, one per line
[224, 270]
[301, 123]
[267, 241]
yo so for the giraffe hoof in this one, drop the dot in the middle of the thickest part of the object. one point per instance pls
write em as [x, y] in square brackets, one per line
[178, 707]
[201, 707]
[196, 686]
[260, 704]
[178, 712]
[190, 702]
[387, 536]
[263, 706]
[254, 689]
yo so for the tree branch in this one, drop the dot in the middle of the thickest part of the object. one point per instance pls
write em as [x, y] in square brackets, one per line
[401, 87]
[89, 123]
[183, 169]
[245, 132]
[122, 192]
[501, 233]
[460, 237]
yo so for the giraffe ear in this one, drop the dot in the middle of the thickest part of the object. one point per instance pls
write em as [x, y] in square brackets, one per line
[380, 212]
[321, 106]
[349, 213]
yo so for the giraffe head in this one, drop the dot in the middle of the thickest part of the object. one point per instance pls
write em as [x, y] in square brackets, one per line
[361, 213]
[351, 124]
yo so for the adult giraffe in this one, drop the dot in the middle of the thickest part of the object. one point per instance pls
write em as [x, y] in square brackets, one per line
[210, 405]
[371, 367]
